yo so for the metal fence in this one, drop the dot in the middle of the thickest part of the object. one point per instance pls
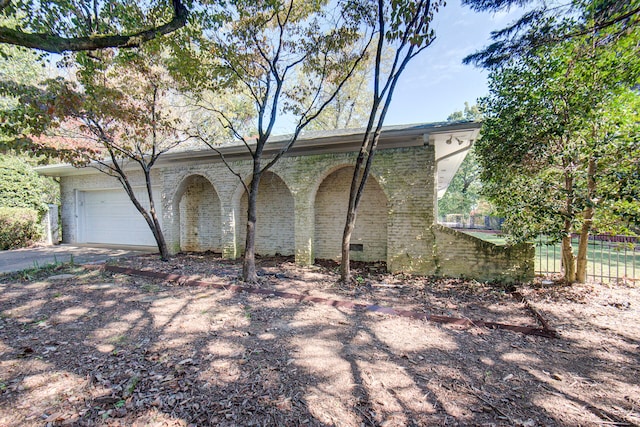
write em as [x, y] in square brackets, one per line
[473, 222]
[609, 258]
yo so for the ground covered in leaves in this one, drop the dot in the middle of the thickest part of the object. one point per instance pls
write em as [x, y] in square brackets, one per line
[83, 347]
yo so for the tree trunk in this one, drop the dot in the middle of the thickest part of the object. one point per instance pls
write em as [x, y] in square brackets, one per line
[358, 182]
[354, 197]
[249, 273]
[159, 236]
[568, 260]
[154, 224]
[581, 272]
[149, 216]
[350, 225]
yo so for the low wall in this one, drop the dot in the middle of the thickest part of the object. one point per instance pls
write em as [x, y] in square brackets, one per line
[462, 255]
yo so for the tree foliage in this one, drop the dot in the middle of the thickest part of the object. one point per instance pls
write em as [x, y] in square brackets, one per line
[550, 23]
[118, 119]
[463, 192]
[403, 31]
[21, 186]
[259, 54]
[75, 25]
[559, 142]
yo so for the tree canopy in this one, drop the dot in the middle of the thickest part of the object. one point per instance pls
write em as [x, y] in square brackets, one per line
[561, 121]
[550, 23]
[62, 26]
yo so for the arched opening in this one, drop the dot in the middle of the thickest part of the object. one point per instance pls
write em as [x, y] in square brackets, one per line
[199, 209]
[275, 227]
[369, 239]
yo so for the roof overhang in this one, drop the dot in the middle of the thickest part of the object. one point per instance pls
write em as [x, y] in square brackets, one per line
[451, 140]
[451, 149]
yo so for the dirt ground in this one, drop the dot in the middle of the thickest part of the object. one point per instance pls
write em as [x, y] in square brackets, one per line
[85, 347]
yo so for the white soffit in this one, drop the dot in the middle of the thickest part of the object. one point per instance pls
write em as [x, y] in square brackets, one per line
[451, 149]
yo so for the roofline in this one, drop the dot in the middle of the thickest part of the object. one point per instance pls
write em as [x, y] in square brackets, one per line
[321, 142]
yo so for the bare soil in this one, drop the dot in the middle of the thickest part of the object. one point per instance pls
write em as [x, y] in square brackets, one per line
[85, 347]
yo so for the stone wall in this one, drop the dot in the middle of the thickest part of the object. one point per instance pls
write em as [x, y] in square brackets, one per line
[461, 255]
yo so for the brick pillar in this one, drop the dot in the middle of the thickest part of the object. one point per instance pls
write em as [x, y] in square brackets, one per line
[410, 241]
[171, 216]
[304, 228]
[231, 233]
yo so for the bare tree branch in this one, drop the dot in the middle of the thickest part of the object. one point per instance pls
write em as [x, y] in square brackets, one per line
[224, 160]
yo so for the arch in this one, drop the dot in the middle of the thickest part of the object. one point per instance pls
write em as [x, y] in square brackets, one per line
[197, 222]
[275, 227]
[331, 202]
[372, 174]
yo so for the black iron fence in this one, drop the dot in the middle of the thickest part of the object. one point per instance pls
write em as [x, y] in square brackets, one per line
[473, 222]
[609, 258]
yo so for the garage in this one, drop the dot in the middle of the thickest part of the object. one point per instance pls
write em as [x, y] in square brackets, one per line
[109, 217]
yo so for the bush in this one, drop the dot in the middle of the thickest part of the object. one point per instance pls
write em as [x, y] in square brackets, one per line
[21, 186]
[19, 227]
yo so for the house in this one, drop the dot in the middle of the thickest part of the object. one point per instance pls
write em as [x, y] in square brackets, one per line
[302, 203]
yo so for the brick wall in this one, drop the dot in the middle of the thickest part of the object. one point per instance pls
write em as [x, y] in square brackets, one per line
[302, 208]
[461, 255]
[332, 199]
[275, 230]
[199, 216]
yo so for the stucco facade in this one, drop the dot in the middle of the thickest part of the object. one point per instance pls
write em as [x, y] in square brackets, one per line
[302, 202]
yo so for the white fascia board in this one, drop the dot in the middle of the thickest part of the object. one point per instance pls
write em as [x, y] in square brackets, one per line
[344, 140]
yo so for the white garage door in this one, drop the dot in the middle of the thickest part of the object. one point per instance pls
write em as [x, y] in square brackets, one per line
[109, 216]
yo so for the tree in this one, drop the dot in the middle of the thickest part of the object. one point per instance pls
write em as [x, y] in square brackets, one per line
[547, 24]
[404, 30]
[259, 53]
[463, 192]
[470, 112]
[73, 26]
[57, 27]
[122, 120]
[560, 121]
[352, 104]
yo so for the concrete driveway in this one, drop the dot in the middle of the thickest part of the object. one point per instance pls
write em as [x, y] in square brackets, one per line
[21, 259]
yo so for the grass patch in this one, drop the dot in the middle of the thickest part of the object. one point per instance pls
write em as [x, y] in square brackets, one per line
[38, 272]
[606, 261]
[496, 239]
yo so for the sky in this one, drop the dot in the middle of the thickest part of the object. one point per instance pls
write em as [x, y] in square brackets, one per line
[436, 83]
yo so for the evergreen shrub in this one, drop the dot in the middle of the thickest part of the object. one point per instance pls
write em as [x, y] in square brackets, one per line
[19, 227]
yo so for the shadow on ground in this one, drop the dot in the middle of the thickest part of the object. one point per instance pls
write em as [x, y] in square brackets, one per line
[91, 348]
